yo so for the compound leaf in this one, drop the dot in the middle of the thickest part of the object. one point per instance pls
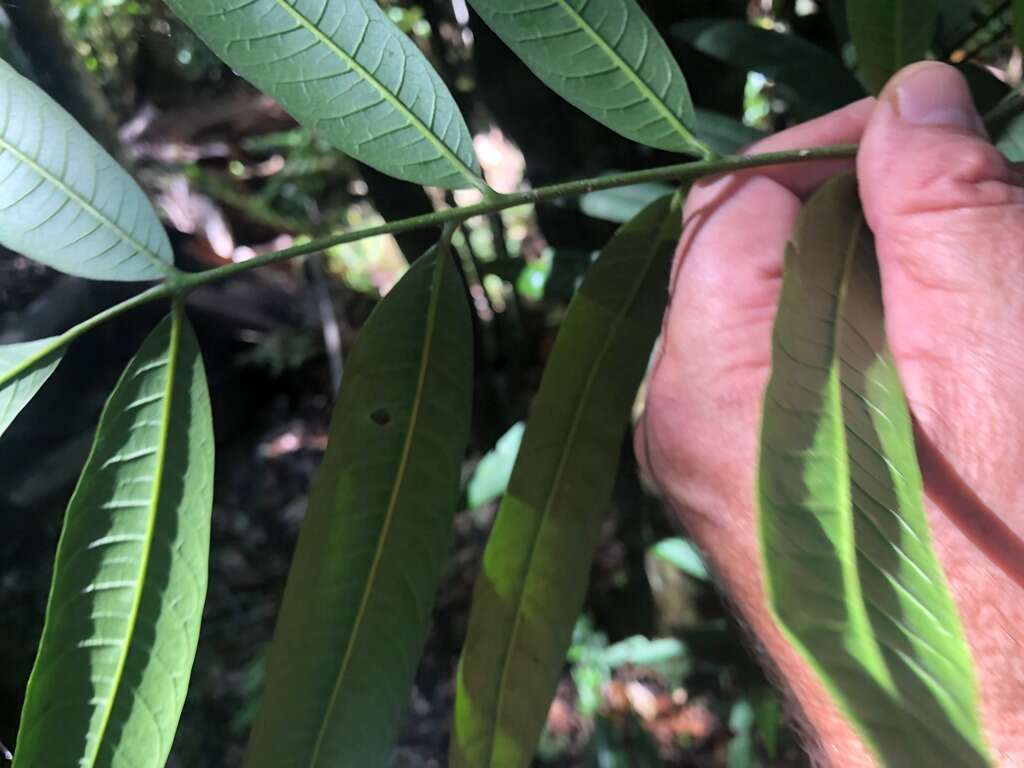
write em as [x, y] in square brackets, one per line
[537, 560]
[606, 58]
[342, 68]
[64, 201]
[852, 578]
[358, 601]
[129, 582]
[889, 34]
[24, 368]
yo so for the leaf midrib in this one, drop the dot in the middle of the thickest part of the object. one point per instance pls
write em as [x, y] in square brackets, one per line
[545, 514]
[385, 92]
[947, 702]
[442, 256]
[86, 205]
[177, 315]
[858, 614]
[26, 363]
[632, 74]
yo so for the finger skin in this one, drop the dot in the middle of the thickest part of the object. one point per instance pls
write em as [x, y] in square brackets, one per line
[699, 436]
[948, 216]
[947, 211]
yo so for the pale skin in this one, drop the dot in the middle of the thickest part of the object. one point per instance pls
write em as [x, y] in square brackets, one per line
[947, 212]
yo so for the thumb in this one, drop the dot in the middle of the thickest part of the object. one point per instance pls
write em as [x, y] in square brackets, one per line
[935, 190]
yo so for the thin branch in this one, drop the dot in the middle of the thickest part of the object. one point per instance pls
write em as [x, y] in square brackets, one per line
[681, 172]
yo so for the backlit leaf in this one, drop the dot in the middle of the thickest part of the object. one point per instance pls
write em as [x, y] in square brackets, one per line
[851, 575]
[683, 555]
[606, 58]
[129, 582]
[537, 560]
[490, 479]
[370, 554]
[342, 68]
[24, 368]
[64, 201]
[889, 34]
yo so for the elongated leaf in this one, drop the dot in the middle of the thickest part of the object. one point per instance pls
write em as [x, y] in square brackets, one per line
[604, 57]
[129, 583]
[342, 68]
[851, 574]
[64, 201]
[815, 80]
[889, 34]
[358, 601]
[538, 557]
[24, 368]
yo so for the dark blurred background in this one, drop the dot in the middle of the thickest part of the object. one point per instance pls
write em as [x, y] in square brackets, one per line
[659, 673]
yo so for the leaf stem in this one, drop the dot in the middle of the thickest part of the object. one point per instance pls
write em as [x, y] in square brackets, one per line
[492, 204]
[161, 291]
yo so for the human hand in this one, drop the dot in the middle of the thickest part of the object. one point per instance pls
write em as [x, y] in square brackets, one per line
[947, 212]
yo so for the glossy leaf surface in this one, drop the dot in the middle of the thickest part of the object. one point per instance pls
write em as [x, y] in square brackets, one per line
[814, 80]
[129, 582]
[358, 601]
[604, 57]
[24, 368]
[537, 560]
[342, 68]
[851, 574]
[889, 34]
[64, 201]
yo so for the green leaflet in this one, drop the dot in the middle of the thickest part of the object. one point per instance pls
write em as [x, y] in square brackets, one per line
[342, 68]
[889, 34]
[129, 582]
[606, 58]
[24, 368]
[817, 81]
[538, 557]
[851, 575]
[64, 201]
[357, 606]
